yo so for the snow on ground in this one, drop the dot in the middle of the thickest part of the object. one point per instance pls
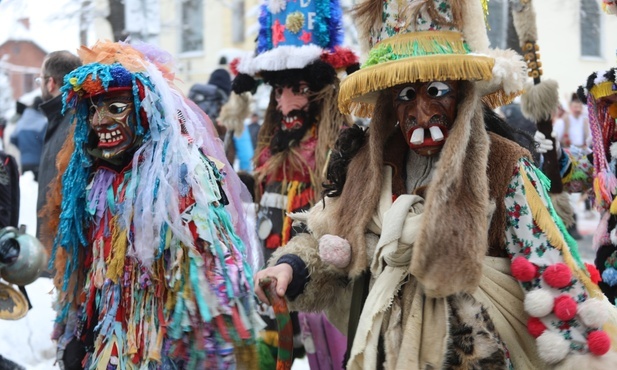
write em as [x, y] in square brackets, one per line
[27, 341]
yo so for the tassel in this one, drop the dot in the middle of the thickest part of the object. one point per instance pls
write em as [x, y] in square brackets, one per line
[119, 240]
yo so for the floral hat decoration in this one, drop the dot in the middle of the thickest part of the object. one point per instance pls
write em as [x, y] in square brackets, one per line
[428, 40]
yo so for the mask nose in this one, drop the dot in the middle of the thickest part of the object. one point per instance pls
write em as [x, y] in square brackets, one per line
[289, 101]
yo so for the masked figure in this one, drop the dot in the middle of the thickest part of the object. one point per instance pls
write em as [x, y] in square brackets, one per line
[437, 245]
[153, 264]
[299, 56]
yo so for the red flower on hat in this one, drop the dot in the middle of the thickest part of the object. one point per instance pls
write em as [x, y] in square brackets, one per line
[306, 37]
[278, 32]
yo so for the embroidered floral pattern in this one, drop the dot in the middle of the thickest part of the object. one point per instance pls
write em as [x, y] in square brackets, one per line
[532, 243]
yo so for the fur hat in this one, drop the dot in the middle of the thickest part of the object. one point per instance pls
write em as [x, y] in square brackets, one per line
[428, 40]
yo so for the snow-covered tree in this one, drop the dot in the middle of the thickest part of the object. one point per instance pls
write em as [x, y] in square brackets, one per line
[6, 95]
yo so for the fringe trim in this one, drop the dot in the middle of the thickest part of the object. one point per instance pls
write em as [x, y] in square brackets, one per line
[358, 91]
[603, 90]
[499, 98]
[546, 222]
[422, 43]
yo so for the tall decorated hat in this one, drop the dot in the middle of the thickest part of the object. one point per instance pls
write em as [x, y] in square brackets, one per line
[428, 40]
[300, 35]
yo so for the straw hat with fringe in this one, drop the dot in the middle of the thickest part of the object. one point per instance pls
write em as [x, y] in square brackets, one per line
[428, 40]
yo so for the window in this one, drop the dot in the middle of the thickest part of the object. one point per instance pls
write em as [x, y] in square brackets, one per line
[498, 23]
[192, 24]
[28, 79]
[590, 28]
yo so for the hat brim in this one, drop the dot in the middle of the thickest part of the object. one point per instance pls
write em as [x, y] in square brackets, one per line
[359, 91]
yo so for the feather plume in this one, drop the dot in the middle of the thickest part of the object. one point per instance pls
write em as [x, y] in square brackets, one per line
[524, 17]
[367, 16]
[235, 111]
[539, 101]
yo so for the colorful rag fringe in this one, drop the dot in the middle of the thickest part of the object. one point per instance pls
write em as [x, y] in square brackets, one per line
[192, 307]
[158, 270]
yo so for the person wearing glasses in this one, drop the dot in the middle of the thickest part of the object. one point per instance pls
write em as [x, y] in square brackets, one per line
[55, 66]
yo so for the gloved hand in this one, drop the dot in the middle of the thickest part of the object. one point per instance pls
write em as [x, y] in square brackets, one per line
[544, 144]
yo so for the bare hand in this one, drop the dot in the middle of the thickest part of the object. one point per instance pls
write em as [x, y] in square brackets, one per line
[283, 274]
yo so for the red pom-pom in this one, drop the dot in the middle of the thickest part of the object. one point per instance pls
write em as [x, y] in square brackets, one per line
[522, 269]
[233, 66]
[535, 326]
[558, 275]
[565, 307]
[594, 274]
[273, 241]
[599, 342]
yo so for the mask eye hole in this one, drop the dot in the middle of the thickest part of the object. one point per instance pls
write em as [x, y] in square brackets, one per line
[278, 92]
[407, 94]
[437, 89]
[92, 110]
[117, 108]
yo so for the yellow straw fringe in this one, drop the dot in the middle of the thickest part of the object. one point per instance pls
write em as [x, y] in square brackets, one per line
[544, 220]
[358, 91]
[500, 98]
[427, 40]
[247, 357]
[119, 244]
[602, 90]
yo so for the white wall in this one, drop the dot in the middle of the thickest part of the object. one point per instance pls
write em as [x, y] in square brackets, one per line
[559, 41]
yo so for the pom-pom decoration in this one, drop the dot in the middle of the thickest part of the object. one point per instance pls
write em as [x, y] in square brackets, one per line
[565, 307]
[552, 347]
[273, 241]
[340, 57]
[276, 6]
[594, 274]
[593, 312]
[609, 276]
[335, 250]
[539, 303]
[558, 275]
[523, 270]
[599, 342]
[294, 22]
[535, 327]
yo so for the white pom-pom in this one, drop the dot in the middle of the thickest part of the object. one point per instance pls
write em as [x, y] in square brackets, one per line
[276, 6]
[593, 313]
[552, 347]
[613, 150]
[613, 236]
[335, 250]
[600, 77]
[539, 303]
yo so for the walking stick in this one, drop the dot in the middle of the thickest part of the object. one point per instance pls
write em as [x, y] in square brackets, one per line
[539, 101]
[283, 322]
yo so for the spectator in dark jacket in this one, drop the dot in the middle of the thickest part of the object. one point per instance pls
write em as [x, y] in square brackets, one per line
[55, 66]
[28, 137]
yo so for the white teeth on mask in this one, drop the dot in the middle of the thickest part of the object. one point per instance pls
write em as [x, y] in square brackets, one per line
[417, 137]
[107, 136]
[436, 133]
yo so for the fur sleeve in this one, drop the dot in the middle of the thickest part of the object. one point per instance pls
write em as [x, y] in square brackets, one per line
[326, 283]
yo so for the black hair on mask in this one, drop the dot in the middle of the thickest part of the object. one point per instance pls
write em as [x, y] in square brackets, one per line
[317, 75]
[243, 83]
